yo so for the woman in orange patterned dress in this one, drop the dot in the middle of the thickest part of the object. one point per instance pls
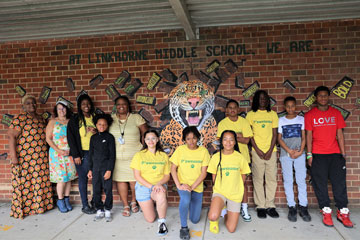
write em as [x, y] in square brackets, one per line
[32, 191]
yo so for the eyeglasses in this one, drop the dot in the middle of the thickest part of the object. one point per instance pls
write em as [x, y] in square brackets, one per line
[151, 139]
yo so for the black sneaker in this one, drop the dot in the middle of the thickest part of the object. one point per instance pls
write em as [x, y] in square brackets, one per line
[184, 233]
[292, 216]
[261, 212]
[272, 212]
[88, 210]
[304, 214]
[162, 229]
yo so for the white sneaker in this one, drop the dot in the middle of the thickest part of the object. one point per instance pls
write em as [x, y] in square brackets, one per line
[99, 215]
[245, 214]
[108, 216]
[223, 212]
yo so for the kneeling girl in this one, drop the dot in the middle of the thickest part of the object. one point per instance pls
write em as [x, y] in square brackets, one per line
[152, 172]
[228, 168]
[188, 169]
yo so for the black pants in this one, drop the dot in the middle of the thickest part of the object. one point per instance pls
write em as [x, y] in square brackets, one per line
[329, 166]
[98, 185]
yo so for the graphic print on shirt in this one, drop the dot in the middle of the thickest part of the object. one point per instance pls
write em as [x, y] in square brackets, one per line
[291, 131]
[324, 121]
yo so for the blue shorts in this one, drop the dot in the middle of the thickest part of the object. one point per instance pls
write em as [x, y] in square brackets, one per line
[143, 193]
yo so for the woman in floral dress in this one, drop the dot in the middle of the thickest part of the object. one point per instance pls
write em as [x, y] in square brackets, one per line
[32, 191]
[62, 167]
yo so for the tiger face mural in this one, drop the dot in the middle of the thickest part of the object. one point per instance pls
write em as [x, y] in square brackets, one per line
[191, 103]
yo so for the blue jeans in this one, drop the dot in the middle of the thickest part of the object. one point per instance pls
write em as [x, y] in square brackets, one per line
[190, 201]
[82, 171]
[287, 164]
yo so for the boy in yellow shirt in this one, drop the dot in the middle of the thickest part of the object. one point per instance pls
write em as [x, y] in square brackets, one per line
[243, 134]
[264, 123]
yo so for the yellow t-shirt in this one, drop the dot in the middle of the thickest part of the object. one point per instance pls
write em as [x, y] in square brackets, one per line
[189, 163]
[152, 167]
[85, 136]
[262, 123]
[230, 184]
[241, 125]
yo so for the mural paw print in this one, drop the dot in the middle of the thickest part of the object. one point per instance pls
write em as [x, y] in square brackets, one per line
[227, 173]
[154, 167]
[263, 125]
[192, 165]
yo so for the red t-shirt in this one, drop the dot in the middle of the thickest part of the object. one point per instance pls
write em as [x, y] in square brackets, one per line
[324, 125]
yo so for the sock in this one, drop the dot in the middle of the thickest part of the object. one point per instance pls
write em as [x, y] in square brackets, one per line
[66, 196]
[60, 198]
[161, 220]
[244, 205]
[184, 227]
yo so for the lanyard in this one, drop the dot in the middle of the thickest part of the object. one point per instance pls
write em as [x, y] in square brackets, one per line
[123, 131]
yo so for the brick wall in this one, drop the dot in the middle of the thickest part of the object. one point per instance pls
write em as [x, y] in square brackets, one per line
[307, 54]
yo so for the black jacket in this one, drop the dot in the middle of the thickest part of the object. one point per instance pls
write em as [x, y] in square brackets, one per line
[102, 152]
[73, 136]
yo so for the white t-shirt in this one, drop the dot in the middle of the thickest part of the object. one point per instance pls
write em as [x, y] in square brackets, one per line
[291, 132]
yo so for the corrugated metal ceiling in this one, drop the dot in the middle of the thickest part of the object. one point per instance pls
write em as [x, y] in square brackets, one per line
[40, 19]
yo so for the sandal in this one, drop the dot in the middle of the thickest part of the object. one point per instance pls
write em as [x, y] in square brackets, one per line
[134, 207]
[126, 211]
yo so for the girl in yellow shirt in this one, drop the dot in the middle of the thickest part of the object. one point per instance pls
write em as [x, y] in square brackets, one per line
[152, 172]
[228, 168]
[188, 169]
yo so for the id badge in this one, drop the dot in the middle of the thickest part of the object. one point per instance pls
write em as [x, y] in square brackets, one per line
[121, 140]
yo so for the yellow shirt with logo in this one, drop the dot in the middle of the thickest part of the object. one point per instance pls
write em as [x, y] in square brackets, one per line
[241, 125]
[189, 163]
[85, 136]
[229, 182]
[262, 123]
[152, 166]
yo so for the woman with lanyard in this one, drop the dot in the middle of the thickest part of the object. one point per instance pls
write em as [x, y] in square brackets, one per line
[128, 129]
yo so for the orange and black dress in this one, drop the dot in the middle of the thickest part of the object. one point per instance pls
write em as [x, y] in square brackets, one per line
[32, 191]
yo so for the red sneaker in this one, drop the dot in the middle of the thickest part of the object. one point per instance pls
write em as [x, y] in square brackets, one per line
[343, 216]
[327, 219]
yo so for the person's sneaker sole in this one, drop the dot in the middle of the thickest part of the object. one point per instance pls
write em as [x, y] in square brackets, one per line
[328, 225]
[246, 219]
[344, 224]
[305, 218]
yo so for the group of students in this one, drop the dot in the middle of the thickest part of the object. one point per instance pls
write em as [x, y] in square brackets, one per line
[85, 146]
[230, 166]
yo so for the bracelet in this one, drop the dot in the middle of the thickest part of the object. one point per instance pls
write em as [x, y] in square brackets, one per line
[309, 156]
[309, 153]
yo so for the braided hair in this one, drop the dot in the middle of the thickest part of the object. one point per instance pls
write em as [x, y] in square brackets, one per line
[80, 112]
[236, 148]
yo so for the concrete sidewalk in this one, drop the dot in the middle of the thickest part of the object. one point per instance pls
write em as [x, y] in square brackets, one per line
[76, 225]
